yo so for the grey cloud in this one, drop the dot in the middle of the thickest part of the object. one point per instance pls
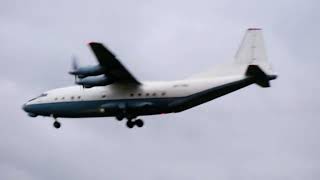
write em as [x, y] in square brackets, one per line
[252, 134]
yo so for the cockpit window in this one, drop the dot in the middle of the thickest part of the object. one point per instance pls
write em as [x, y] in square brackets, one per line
[41, 95]
[32, 99]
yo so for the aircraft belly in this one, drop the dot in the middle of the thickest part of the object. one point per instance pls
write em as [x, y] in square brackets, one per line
[103, 108]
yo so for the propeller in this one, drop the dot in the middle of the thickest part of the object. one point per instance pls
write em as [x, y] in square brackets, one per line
[74, 67]
[74, 63]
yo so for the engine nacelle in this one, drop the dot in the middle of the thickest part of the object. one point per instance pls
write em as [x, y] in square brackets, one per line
[90, 82]
[83, 72]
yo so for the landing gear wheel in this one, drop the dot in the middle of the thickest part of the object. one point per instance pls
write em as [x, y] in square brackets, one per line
[139, 123]
[119, 118]
[130, 124]
[57, 125]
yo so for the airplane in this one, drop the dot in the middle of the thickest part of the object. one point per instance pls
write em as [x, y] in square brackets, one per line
[110, 90]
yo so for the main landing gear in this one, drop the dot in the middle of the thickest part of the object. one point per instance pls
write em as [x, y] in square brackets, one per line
[131, 121]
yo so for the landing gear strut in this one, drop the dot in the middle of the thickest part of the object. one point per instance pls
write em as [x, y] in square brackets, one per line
[56, 123]
[131, 123]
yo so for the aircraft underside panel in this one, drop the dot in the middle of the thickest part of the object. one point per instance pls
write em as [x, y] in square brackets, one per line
[210, 94]
[104, 108]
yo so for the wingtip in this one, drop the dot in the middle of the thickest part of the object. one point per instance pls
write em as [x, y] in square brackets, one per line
[254, 29]
[93, 43]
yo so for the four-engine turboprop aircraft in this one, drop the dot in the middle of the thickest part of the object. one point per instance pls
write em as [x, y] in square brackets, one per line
[110, 90]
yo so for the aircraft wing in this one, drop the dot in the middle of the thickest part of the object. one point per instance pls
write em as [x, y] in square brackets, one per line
[113, 67]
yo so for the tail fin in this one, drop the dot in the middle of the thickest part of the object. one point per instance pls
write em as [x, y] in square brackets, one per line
[252, 53]
[250, 60]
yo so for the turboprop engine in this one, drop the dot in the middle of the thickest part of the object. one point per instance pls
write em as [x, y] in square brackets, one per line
[89, 82]
[83, 72]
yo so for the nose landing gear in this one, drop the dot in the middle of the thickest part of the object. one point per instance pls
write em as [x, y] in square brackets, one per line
[56, 123]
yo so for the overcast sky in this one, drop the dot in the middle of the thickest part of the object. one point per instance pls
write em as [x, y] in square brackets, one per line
[253, 133]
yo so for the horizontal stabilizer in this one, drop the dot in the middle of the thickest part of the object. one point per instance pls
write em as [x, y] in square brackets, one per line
[260, 77]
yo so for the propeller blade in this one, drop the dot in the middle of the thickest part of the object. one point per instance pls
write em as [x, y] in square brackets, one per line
[74, 68]
[75, 63]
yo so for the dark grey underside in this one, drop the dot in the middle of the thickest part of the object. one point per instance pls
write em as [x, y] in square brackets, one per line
[134, 107]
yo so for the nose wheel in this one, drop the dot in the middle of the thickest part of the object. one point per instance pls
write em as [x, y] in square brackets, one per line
[56, 124]
[131, 123]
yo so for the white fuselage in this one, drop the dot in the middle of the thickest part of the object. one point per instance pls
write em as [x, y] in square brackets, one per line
[119, 100]
[148, 90]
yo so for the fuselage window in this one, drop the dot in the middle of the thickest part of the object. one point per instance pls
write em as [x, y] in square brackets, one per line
[62, 98]
[55, 98]
[147, 94]
[154, 94]
[180, 85]
[103, 96]
[79, 97]
[131, 94]
[72, 97]
[139, 94]
[163, 94]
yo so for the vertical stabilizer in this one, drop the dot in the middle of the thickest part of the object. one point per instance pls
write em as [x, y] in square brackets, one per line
[252, 51]
[250, 60]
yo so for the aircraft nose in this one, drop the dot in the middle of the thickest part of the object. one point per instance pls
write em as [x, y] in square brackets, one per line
[28, 109]
[25, 107]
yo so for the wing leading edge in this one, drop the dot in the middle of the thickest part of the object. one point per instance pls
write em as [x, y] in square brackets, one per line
[113, 67]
